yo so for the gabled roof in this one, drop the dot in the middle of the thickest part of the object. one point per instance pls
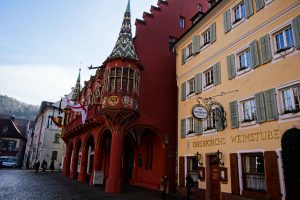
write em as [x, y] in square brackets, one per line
[8, 129]
[124, 47]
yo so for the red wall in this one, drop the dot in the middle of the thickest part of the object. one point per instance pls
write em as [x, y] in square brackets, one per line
[158, 90]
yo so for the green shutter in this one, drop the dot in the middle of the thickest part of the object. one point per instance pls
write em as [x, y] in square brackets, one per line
[254, 54]
[259, 4]
[213, 33]
[198, 83]
[271, 104]
[248, 8]
[231, 66]
[227, 21]
[296, 27]
[234, 114]
[217, 73]
[260, 107]
[183, 91]
[183, 128]
[266, 54]
[183, 56]
[196, 44]
[219, 121]
[198, 126]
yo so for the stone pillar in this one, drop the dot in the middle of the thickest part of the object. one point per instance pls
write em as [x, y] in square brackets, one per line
[74, 165]
[66, 167]
[96, 164]
[84, 159]
[114, 183]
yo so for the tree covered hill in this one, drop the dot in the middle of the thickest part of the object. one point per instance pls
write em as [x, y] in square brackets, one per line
[9, 105]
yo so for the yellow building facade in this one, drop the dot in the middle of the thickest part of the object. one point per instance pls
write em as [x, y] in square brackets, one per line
[238, 78]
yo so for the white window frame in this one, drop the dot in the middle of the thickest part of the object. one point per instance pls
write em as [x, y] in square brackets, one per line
[273, 33]
[190, 126]
[237, 61]
[190, 84]
[205, 37]
[242, 121]
[233, 19]
[204, 78]
[280, 106]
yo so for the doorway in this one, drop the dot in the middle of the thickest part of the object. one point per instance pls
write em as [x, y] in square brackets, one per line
[214, 186]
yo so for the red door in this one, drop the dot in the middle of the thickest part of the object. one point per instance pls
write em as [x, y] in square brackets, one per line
[215, 188]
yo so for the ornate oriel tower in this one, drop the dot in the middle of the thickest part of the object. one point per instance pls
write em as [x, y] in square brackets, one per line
[120, 97]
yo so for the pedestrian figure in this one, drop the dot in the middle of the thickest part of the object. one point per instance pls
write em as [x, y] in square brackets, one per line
[164, 186]
[52, 165]
[44, 165]
[189, 185]
[37, 166]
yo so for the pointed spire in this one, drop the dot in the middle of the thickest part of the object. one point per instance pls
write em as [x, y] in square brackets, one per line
[124, 46]
[76, 91]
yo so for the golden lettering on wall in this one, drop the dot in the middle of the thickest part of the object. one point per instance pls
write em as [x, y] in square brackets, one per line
[242, 138]
[258, 136]
[208, 143]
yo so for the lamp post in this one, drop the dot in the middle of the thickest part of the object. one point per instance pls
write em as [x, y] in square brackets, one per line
[219, 156]
[198, 157]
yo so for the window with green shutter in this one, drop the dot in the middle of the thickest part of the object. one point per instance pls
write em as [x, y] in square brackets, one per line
[254, 54]
[260, 107]
[248, 8]
[231, 66]
[213, 33]
[227, 21]
[234, 115]
[266, 54]
[296, 26]
[198, 83]
[259, 4]
[271, 104]
[198, 127]
[183, 128]
[217, 73]
[183, 91]
[183, 56]
[196, 44]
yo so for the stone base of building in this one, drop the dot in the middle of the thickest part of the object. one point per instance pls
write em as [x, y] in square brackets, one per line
[201, 194]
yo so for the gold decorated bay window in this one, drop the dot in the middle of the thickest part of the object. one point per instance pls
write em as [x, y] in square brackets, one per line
[122, 80]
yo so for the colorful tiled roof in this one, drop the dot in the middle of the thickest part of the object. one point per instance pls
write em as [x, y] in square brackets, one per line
[124, 47]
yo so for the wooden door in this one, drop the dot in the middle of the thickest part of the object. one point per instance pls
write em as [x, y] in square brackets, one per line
[215, 187]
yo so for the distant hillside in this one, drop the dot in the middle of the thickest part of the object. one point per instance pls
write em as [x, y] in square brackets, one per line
[9, 105]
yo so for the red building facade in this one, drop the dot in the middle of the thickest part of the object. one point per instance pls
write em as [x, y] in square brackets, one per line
[130, 130]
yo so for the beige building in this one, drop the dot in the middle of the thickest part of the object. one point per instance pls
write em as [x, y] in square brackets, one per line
[238, 77]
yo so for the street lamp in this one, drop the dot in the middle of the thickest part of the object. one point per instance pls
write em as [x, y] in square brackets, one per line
[198, 157]
[219, 156]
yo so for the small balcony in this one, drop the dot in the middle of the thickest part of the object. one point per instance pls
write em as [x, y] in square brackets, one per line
[76, 125]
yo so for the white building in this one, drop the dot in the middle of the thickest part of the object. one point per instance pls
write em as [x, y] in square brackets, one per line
[44, 141]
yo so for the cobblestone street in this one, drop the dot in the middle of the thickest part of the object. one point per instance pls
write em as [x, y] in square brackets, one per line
[25, 184]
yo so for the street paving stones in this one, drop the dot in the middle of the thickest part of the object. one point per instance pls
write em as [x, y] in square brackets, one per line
[17, 184]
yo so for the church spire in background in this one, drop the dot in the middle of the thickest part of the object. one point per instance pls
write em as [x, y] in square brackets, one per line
[76, 91]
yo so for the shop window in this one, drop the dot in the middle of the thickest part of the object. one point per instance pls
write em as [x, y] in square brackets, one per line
[238, 12]
[247, 111]
[56, 138]
[149, 156]
[181, 22]
[253, 172]
[192, 169]
[54, 155]
[290, 100]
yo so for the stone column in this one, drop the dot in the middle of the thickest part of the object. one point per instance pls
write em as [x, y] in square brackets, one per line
[96, 164]
[114, 183]
[66, 167]
[84, 159]
[74, 165]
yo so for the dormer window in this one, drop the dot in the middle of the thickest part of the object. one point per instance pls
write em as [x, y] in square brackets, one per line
[181, 22]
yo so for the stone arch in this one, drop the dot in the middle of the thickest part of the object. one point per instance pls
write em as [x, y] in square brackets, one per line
[290, 143]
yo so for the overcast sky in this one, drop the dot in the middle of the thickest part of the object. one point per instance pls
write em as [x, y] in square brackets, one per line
[43, 43]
